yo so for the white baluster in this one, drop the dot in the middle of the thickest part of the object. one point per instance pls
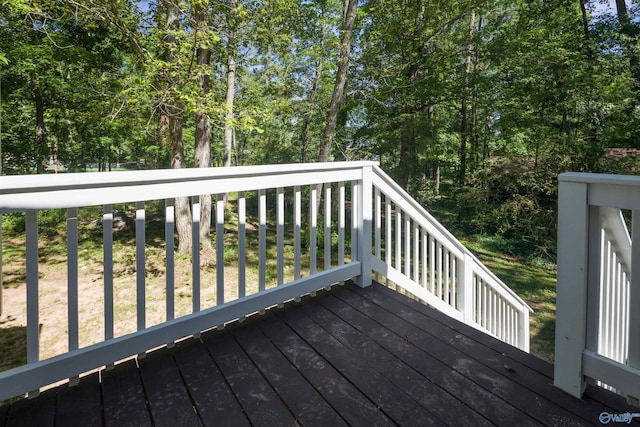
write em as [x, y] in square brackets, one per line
[262, 219]
[220, 207]
[140, 265]
[280, 234]
[242, 245]
[313, 224]
[297, 227]
[195, 252]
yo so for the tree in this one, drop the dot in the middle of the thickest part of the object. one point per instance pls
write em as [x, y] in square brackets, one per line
[58, 85]
[464, 133]
[172, 106]
[202, 151]
[232, 17]
[349, 10]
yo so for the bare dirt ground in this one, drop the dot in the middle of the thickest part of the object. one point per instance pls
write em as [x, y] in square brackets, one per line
[53, 290]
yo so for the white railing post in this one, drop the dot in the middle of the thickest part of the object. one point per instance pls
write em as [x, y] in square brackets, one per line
[169, 230]
[0, 264]
[634, 296]
[262, 218]
[242, 244]
[72, 278]
[365, 218]
[465, 288]
[571, 317]
[297, 221]
[140, 265]
[220, 207]
[195, 252]
[33, 322]
[523, 329]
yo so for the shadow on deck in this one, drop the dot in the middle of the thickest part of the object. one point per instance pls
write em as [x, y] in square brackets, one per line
[349, 356]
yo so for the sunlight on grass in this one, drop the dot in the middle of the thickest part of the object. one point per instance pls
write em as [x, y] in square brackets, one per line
[534, 282]
[53, 286]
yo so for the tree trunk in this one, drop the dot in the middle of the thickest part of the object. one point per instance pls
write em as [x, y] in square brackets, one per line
[203, 160]
[306, 136]
[473, 131]
[628, 29]
[40, 129]
[407, 153]
[229, 124]
[595, 151]
[172, 109]
[231, 83]
[182, 209]
[585, 28]
[229, 116]
[437, 178]
[350, 8]
[464, 133]
[202, 149]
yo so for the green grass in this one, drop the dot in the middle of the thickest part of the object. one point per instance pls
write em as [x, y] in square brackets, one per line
[520, 266]
[533, 281]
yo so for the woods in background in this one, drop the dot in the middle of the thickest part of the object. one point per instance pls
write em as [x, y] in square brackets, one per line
[491, 98]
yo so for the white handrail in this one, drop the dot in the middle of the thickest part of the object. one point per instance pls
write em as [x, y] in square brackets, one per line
[24, 192]
[598, 284]
[425, 218]
[465, 288]
[445, 273]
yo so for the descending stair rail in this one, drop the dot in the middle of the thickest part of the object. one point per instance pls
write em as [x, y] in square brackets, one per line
[415, 252]
[597, 322]
[307, 226]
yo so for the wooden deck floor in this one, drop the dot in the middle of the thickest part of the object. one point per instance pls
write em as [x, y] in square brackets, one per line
[351, 356]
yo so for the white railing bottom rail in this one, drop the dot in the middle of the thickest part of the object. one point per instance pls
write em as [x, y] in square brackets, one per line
[272, 244]
[597, 327]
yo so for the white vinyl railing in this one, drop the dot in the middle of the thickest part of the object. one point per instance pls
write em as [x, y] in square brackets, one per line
[597, 326]
[614, 286]
[415, 252]
[401, 242]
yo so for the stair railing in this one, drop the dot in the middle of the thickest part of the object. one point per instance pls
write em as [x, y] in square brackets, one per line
[413, 251]
[598, 320]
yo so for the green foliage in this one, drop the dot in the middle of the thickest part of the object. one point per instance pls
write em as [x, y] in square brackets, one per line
[541, 92]
[516, 203]
[51, 221]
[13, 222]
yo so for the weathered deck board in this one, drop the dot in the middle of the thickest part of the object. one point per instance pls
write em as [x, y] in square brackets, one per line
[123, 397]
[167, 396]
[4, 411]
[391, 399]
[25, 413]
[80, 405]
[351, 404]
[516, 399]
[397, 359]
[261, 403]
[533, 372]
[351, 356]
[302, 399]
[213, 399]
